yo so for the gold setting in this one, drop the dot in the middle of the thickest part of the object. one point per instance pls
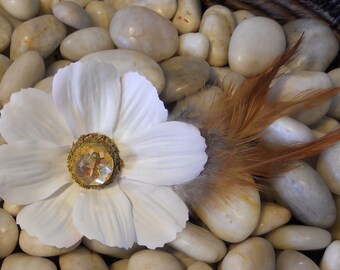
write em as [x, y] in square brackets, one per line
[104, 150]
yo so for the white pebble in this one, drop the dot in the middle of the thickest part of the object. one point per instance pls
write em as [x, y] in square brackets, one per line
[19, 261]
[331, 257]
[193, 44]
[188, 16]
[8, 234]
[21, 9]
[294, 260]
[5, 33]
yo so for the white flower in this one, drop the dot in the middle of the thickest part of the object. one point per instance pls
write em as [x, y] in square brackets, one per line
[139, 205]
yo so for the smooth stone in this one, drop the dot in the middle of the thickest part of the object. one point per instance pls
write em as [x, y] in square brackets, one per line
[19, 261]
[328, 167]
[120, 265]
[52, 69]
[241, 15]
[326, 125]
[272, 216]
[199, 244]
[299, 237]
[318, 48]
[86, 41]
[335, 229]
[287, 131]
[5, 33]
[253, 253]
[82, 259]
[331, 258]
[232, 80]
[32, 246]
[42, 34]
[127, 60]
[21, 9]
[45, 84]
[46, 6]
[141, 29]
[318, 134]
[184, 75]
[293, 260]
[217, 75]
[71, 14]
[254, 45]
[165, 8]
[5, 62]
[24, 72]
[100, 12]
[193, 44]
[153, 260]
[293, 84]
[313, 205]
[13, 21]
[81, 3]
[334, 110]
[183, 258]
[199, 266]
[225, 12]
[188, 16]
[8, 233]
[115, 252]
[12, 209]
[232, 217]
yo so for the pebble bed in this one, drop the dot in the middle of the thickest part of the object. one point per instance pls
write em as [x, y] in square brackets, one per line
[295, 224]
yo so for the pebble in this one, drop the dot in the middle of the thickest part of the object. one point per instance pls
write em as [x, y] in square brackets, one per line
[328, 167]
[299, 237]
[12, 209]
[128, 60]
[82, 259]
[8, 233]
[232, 79]
[292, 259]
[100, 12]
[234, 217]
[296, 83]
[287, 131]
[335, 229]
[153, 260]
[81, 3]
[13, 21]
[187, 18]
[241, 15]
[253, 253]
[183, 258]
[303, 191]
[32, 246]
[326, 125]
[272, 216]
[200, 244]
[46, 6]
[199, 266]
[254, 45]
[120, 265]
[21, 9]
[193, 44]
[334, 110]
[5, 33]
[217, 75]
[71, 14]
[19, 261]
[52, 69]
[85, 41]
[331, 257]
[45, 84]
[184, 75]
[5, 62]
[141, 29]
[319, 45]
[225, 12]
[43, 34]
[24, 72]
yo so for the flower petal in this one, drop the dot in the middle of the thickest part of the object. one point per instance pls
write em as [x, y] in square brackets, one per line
[32, 115]
[88, 95]
[158, 212]
[31, 171]
[169, 153]
[106, 216]
[141, 106]
[51, 220]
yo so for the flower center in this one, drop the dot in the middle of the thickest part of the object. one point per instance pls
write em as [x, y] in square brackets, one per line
[94, 161]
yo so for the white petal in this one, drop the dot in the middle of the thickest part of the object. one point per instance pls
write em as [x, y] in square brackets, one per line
[88, 95]
[106, 216]
[31, 171]
[51, 220]
[158, 212]
[32, 115]
[169, 153]
[141, 106]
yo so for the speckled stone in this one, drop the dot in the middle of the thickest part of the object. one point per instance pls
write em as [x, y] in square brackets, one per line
[188, 16]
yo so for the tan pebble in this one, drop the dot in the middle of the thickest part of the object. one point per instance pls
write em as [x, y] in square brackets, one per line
[331, 257]
[85, 41]
[335, 229]
[217, 75]
[299, 237]
[12, 209]
[82, 259]
[193, 44]
[25, 72]
[19, 261]
[2, 141]
[272, 216]
[188, 16]
[71, 14]
[153, 260]
[294, 260]
[140, 29]
[100, 12]
[13, 21]
[21, 9]
[183, 258]
[52, 69]
[199, 244]
[46, 6]
[8, 233]
[43, 34]
[326, 125]
[253, 253]
[81, 3]
[5, 62]
[32, 246]
[5, 33]
[199, 266]
[232, 80]
[45, 84]
[334, 110]
[120, 265]
[241, 15]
